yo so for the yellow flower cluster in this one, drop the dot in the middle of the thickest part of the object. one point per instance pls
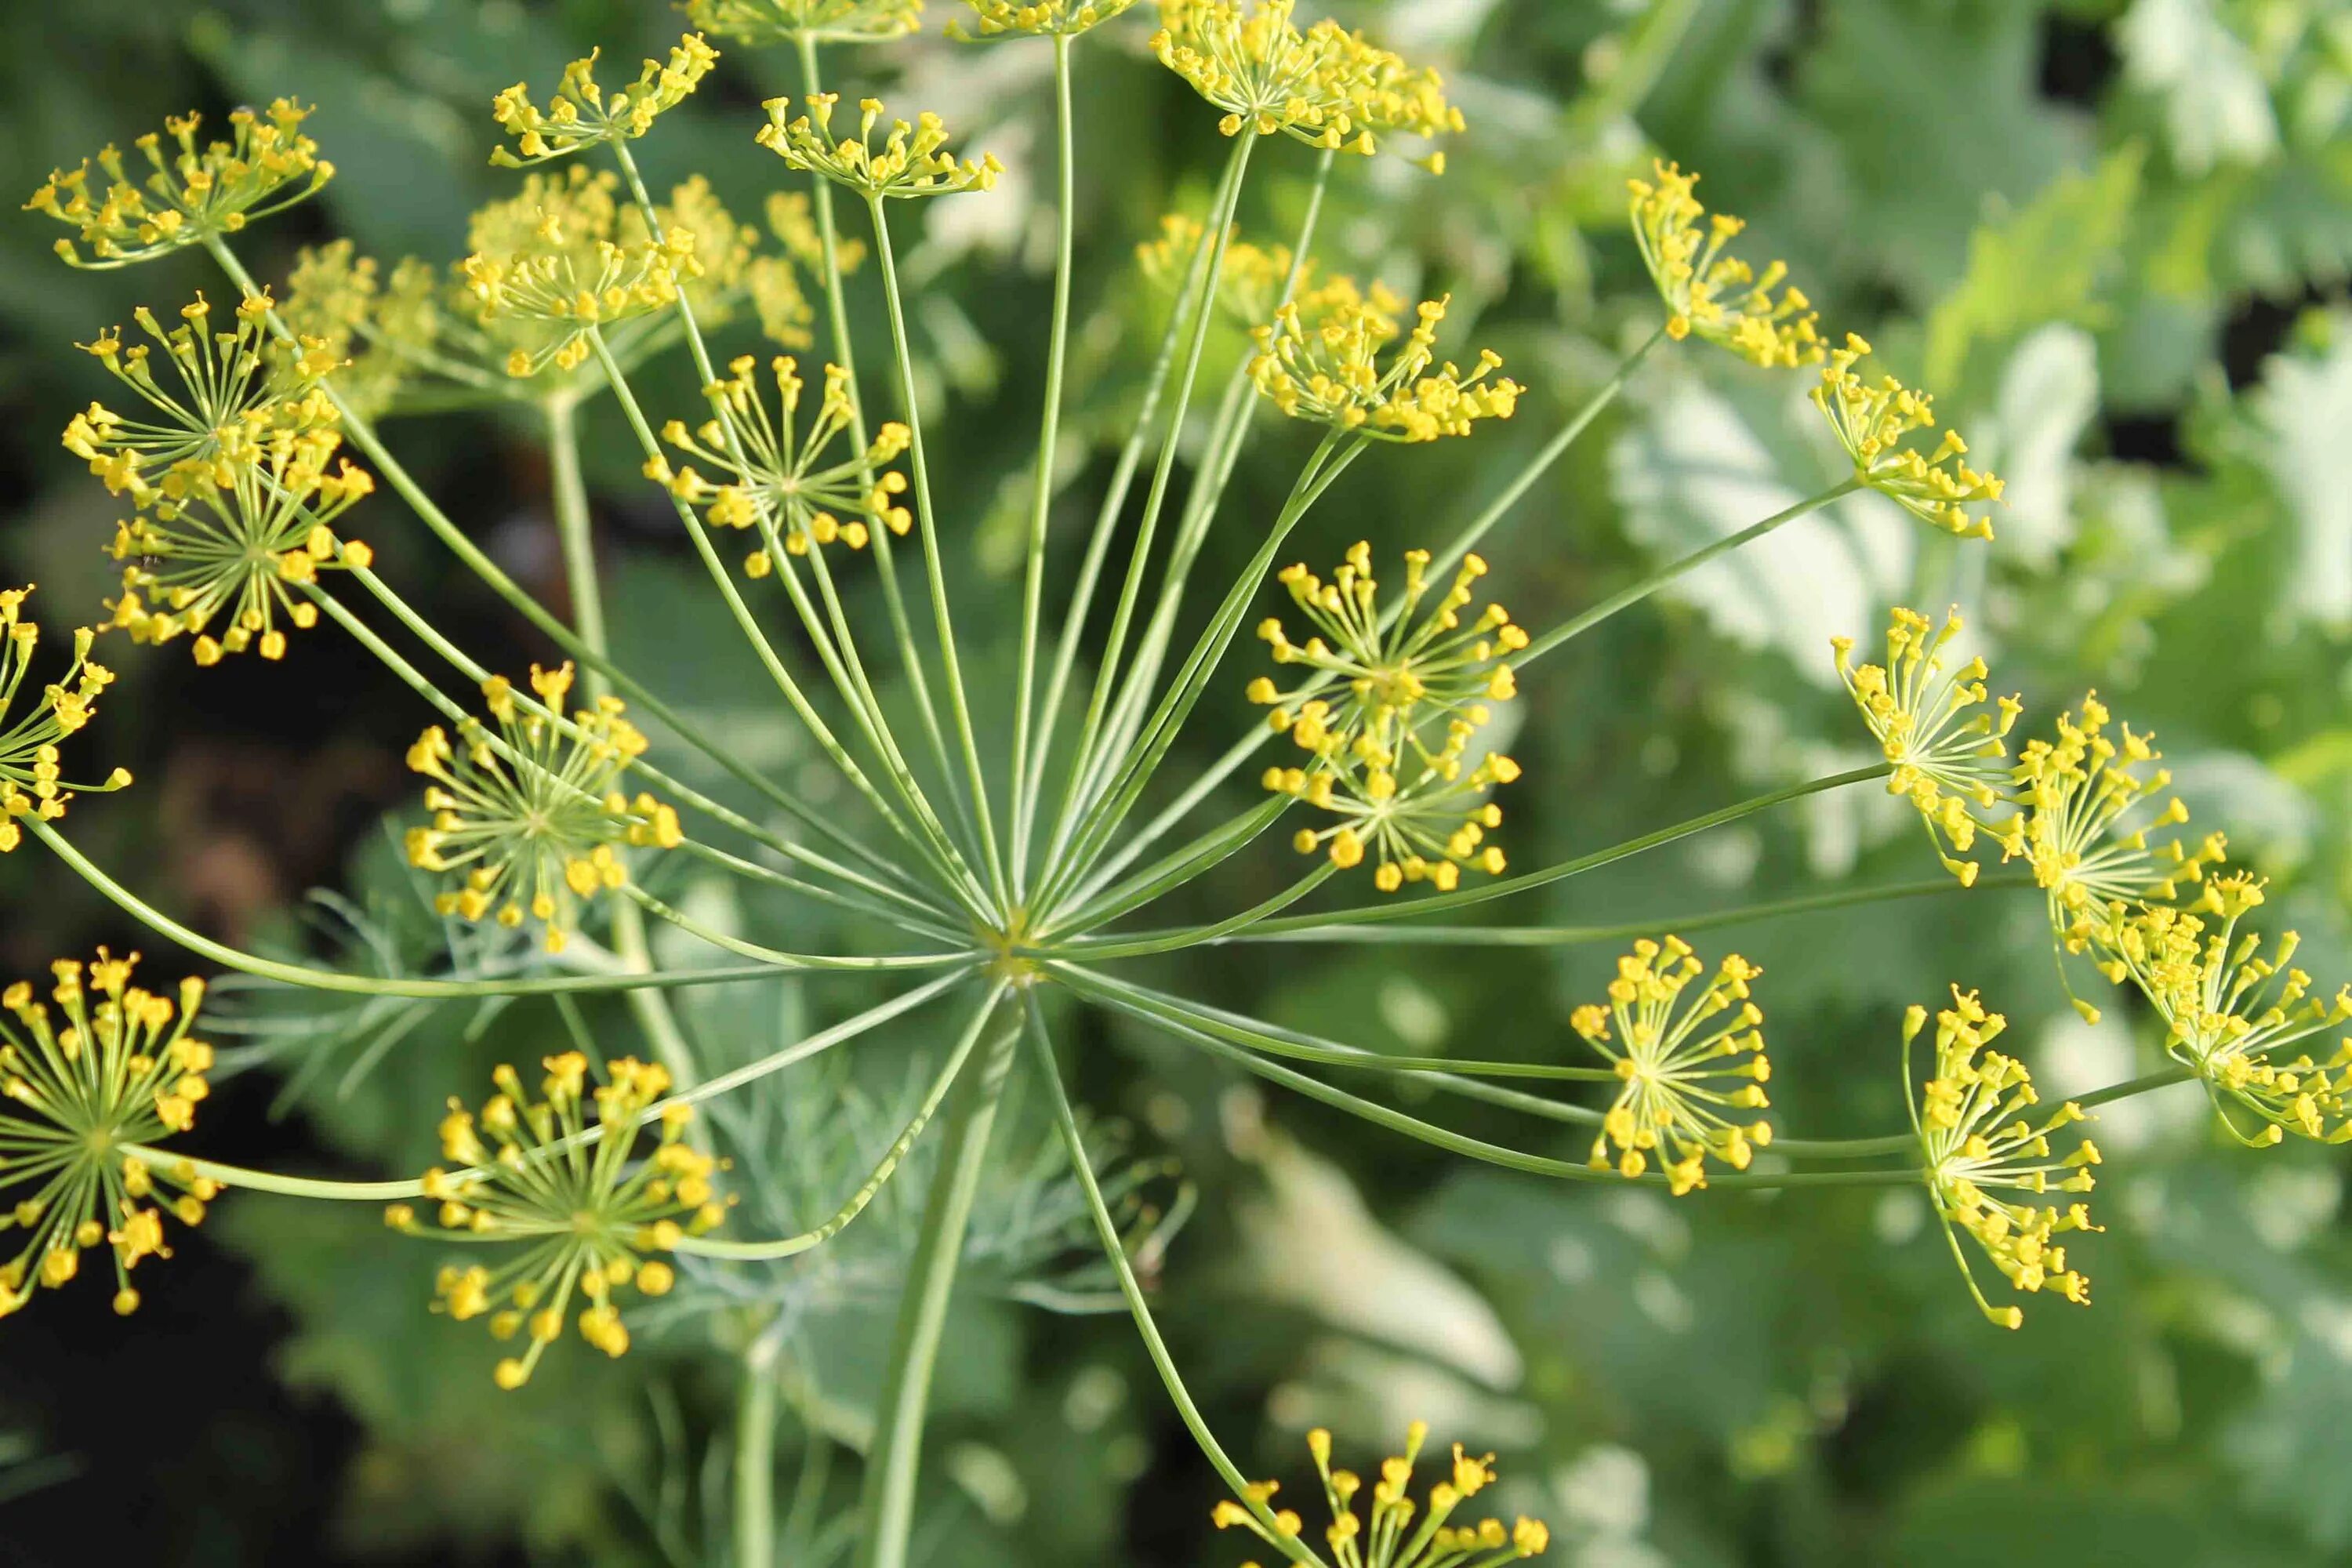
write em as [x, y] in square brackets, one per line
[265, 165]
[572, 285]
[1318, 360]
[912, 162]
[376, 328]
[1875, 425]
[32, 783]
[1976, 1142]
[1387, 753]
[1931, 723]
[571, 1195]
[580, 115]
[2231, 1013]
[1684, 1063]
[769, 22]
[1047, 19]
[1390, 1537]
[534, 817]
[1709, 294]
[1325, 86]
[1249, 281]
[776, 480]
[119, 1071]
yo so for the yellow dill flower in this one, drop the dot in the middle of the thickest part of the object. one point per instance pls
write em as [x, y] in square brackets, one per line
[235, 554]
[775, 477]
[375, 329]
[1326, 87]
[1874, 424]
[2086, 812]
[119, 1068]
[792, 218]
[1421, 824]
[583, 1213]
[1045, 19]
[1975, 1142]
[265, 165]
[534, 818]
[569, 284]
[238, 389]
[2231, 1013]
[1319, 361]
[1387, 1536]
[1249, 283]
[580, 115]
[32, 783]
[1932, 724]
[910, 164]
[768, 21]
[1714, 296]
[1683, 1062]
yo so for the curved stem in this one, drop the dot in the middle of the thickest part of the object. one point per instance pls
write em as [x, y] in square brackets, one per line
[244, 1180]
[887, 1508]
[640, 899]
[1074, 1143]
[1142, 946]
[1172, 870]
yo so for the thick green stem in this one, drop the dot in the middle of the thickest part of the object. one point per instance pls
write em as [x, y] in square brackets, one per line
[755, 1457]
[886, 1507]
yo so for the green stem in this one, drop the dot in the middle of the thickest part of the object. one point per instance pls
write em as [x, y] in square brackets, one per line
[1033, 588]
[896, 962]
[237, 1176]
[1633, 593]
[1171, 871]
[2163, 1079]
[926, 522]
[357, 984]
[1074, 1143]
[1145, 945]
[755, 1457]
[886, 1507]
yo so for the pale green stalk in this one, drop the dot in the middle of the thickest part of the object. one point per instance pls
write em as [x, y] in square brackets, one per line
[1074, 1143]
[887, 1508]
[755, 1457]
[753, 871]
[926, 522]
[1172, 870]
[874, 964]
[237, 1176]
[1033, 588]
[1145, 945]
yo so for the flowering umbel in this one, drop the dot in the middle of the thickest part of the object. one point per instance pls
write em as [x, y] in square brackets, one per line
[32, 779]
[1710, 294]
[1318, 360]
[769, 22]
[582, 1213]
[83, 1091]
[912, 160]
[1050, 18]
[582, 114]
[1388, 750]
[570, 285]
[1684, 1063]
[193, 192]
[1946, 747]
[2231, 1013]
[1326, 87]
[776, 479]
[1875, 425]
[1249, 281]
[1390, 1536]
[534, 817]
[1976, 1142]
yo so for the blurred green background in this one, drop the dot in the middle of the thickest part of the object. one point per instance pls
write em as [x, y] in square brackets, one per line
[2112, 236]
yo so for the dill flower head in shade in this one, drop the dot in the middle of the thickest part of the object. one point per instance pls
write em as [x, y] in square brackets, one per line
[568, 283]
[1318, 360]
[775, 477]
[533, 817]
[1045, 19]
[2231, 1013]
[911, 163]
[31, 781]
[1249, 283]
[582, 114]
[2087, 806]
[234, 557]
[1388, 1536]
[237, 389]
[768, 22]
[113, 1069]
[1875, 425]
[371, 328]
[265, 165]
[1684, 1061]
[582, 1214]
[1976, 1142]
[1946, 745]
[1710, 295]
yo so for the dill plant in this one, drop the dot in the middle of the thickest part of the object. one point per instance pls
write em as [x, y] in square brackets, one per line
[1002, 845]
